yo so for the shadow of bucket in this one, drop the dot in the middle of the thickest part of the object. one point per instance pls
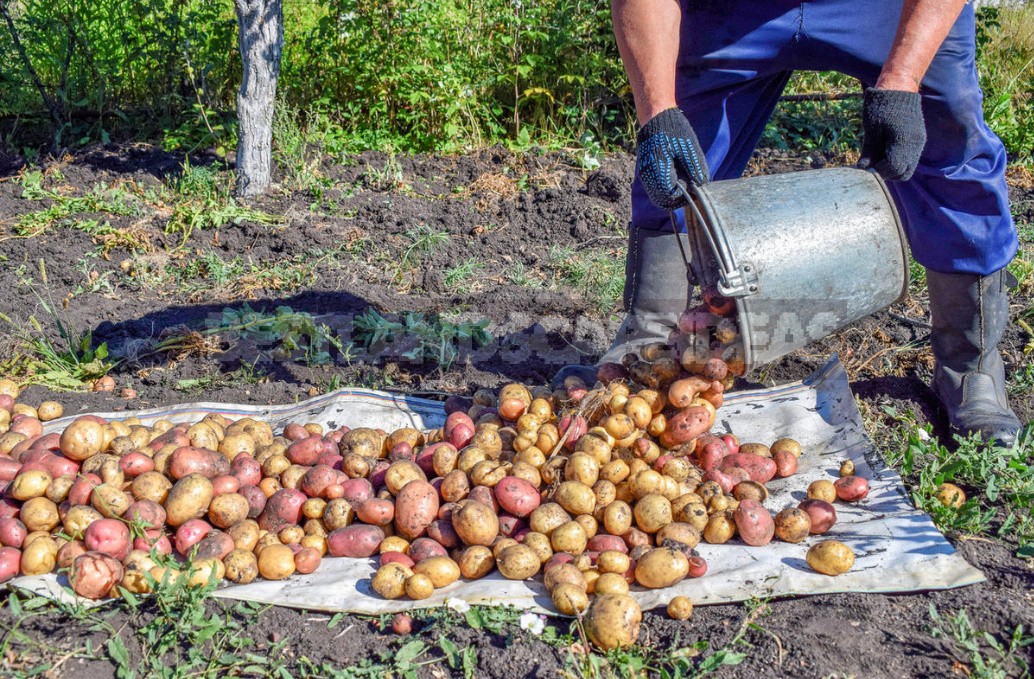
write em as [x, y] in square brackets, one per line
[803, 254]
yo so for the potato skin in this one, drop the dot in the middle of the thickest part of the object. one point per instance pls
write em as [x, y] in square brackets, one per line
[830, 557]
[517, 496]
[754, 523]
[661, 567]
[761, 469]
[188, 499]
[792, 525]
[356, 541]
[93, 575]
[276, 562]
[822, 514]
[416, 506]
[284, 508]
[851, 488]
[518, 562]
[476, 524]
[442, 570]
[612, 621]
[187, 460]
[685, 426]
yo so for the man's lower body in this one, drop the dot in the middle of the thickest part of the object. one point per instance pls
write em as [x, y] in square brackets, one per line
[736, 57]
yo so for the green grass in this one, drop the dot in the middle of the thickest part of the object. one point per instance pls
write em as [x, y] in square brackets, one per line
[460, 276]
[999, 481]
[983, 655]
[597, 274]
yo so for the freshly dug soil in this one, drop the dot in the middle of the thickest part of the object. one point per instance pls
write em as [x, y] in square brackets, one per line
[542, 242]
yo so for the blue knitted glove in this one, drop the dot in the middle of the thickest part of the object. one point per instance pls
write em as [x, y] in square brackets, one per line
[667, 151]
[894, 133]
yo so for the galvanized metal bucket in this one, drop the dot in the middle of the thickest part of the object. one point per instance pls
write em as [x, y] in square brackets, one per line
[803, 254]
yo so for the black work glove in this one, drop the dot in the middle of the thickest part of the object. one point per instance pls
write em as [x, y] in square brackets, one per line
[894, 133]
[667, 150]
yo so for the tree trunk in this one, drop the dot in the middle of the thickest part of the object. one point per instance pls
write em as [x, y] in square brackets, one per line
[261, 40]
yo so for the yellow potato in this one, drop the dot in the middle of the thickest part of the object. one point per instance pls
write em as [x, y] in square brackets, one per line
[389, 581]
[419, 586]
[568, 599]
[661, 567]
[612, 621]
[441, 570]
[830, 557]
[518, 562]
[680, 608]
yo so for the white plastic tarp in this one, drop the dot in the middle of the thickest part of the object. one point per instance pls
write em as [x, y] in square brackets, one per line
[897, 548]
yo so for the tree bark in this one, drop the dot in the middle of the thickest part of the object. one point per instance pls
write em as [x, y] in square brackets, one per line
[261, 40]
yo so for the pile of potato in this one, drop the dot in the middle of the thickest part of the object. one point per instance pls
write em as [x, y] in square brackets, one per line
[595, 488]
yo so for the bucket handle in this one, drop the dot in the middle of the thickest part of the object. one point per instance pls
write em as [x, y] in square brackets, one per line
[734, 280]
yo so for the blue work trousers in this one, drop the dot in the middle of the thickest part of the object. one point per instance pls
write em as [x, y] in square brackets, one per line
[735, 58]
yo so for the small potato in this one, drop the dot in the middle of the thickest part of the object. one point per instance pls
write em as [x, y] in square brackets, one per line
[652, 513]
[569, 537]
[720, 528]
[39, 556]
[476, 562]
[30, 484]
[680, 608]
[612, 621]
[307, 560]
[441, 570]
[476, 524]
[82, 439]
[546, 518]
[227, 510]
[518, 562]
[39, 513]
[245, 534]
[851, 488]
[575, 497]
[789, 445]
[93, 575]
[611, 583]
[821, 513]
[846, 468]
[754, 523]
[750, 490]
[786, 463]
[569, 599]
[419, 586]
[416, 506]
[241, 566]
[830, 557]
[151, 486]
[661, 567]
[822, 490]
[563, 573]
[613, 561]
[390, 580]
[188, 499]
[541, 544]
[617, 517]
[276, 562]
[950, 495]
[679, 532]
[792, 525]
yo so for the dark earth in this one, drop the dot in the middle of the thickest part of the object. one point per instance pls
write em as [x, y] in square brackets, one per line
[352, 244]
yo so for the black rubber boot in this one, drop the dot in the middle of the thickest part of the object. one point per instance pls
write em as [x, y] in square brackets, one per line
[657, 287]
[969, 314]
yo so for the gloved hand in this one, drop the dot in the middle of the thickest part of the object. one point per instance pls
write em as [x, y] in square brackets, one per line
[894, 133]
[667, 150]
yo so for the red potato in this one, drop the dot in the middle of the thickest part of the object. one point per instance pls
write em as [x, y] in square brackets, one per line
[29, 426]
[108, 536]
[82, 489]
[225, 485]
[378, 473]
[602, 542]
[256, 500]
[19, 451]
[786, 463]
[851, 488]
[573, 428]
[761, 469]
[295, 432]
[376, 511]
[12, 532]
[682, 392]
[509, 526]
[484, 495]
[6, 402]
[425, 458]
[8, 508]
[305, 451]
[149, 513]
[517, 496]
[316, 480]
[443, 533]
[697, 567]
[754, 523]
[686, 425]
[153, 539]
[134, 464]
[247, 470]
[332, 460]
[9, 468]
[401, 451]
[356, 541]
[187, 460]
[357, 490]
[191, 533]
[68, 552]
[458, 429]
[94, 574]
[425, 548]
[307, 560]
[397, 557]
[416, 506]
[10, 563]
[59, 466]
[822, 514]
[738, 475]
[215, 545]
[283, 509]
[726, 482]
